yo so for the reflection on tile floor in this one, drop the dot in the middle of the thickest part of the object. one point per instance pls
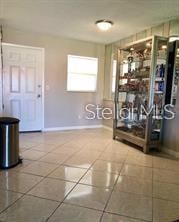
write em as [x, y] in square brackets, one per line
[85, 176]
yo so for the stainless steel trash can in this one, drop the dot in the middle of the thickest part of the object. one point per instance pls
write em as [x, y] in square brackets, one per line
[9, 142]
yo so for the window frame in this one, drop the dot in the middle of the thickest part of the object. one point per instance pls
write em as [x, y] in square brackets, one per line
[86, 74]
[114, 61]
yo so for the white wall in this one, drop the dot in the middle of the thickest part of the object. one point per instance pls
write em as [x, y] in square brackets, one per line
[62, 108]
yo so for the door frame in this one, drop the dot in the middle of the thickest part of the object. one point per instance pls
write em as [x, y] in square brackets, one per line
[42, 50]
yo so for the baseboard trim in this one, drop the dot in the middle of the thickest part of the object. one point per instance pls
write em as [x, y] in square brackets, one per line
[72, 128]
[170, 152]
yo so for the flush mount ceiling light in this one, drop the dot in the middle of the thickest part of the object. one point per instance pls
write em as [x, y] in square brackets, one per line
[104, 25]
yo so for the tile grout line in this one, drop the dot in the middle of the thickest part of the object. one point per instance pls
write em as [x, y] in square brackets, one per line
[107, 202]
[62, 164]
[122, 215]
[104, 211]
[69, 193]
[52, 152]
[64, 199]
[26, 193]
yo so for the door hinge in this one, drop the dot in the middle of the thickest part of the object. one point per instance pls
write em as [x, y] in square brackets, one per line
[2, 106]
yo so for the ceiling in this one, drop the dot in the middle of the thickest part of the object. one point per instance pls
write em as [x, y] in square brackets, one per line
[76, 18]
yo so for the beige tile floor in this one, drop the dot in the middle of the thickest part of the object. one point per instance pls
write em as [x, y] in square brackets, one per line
[85, 176]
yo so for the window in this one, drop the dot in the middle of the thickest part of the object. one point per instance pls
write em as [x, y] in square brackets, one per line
[82, 73]
[114, 70]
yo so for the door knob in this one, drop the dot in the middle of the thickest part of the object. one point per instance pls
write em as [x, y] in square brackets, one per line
[38, 96]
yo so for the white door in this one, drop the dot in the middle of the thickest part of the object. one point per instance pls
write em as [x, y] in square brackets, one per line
[22, 85]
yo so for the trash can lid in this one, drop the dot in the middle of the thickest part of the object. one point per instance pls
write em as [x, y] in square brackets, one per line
[8, 120]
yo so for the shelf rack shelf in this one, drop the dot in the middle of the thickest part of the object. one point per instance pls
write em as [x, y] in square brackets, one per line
[140, 84]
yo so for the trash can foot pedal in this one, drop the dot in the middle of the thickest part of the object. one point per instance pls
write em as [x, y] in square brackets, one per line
[20, 160]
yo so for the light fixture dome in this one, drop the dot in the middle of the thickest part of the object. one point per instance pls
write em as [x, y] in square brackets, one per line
[104, 25]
